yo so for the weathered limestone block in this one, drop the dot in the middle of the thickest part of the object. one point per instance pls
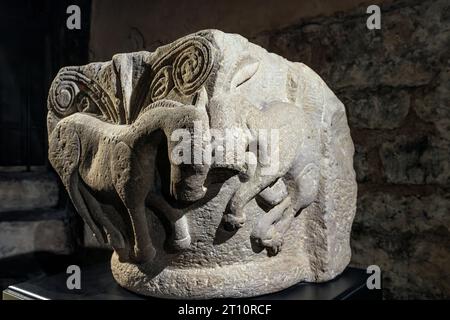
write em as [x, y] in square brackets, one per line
[212, 167]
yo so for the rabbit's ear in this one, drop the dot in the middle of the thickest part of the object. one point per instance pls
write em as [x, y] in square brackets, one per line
[129, 69]
[244, 71]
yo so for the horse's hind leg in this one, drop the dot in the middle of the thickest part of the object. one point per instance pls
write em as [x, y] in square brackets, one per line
[235, 219]
[271, 226]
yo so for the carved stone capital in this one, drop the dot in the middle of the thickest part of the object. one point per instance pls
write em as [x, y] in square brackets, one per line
[212, 167]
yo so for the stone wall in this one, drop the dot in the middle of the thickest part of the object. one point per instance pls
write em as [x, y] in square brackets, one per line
[34, 220]
[145, 25]
[394, 83]
[33, 216]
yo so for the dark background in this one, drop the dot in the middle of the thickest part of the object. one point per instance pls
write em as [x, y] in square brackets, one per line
[394, 83]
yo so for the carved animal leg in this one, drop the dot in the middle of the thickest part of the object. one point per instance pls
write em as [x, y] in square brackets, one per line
[236, 218]
[274, 194]
[143, 247]
[181, 238]
[115, 237]
[80, 205]
[131, 187]
[307, 185]
[270, 228]
[64, 155]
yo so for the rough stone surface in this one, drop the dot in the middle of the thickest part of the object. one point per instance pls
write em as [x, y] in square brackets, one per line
[41, 232]
[117, 27]
[416, 160]
[368, 110]
[29, 221]
[26, 191]
[264, 214]
[361, 163]
[394, 83]
[409, 236]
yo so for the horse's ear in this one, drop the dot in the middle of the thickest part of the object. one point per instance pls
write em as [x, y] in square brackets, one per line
[129, 69]
[244, 71]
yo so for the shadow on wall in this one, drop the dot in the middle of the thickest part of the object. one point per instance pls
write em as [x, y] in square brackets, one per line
[394, 83]
[35, 45]
[117, 27]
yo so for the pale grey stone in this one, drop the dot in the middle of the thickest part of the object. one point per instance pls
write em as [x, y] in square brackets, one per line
[205, 230]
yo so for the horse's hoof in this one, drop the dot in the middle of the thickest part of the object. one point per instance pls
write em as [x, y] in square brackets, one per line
[273, 245]
[144, 255]
[182, 244]
[232, 222]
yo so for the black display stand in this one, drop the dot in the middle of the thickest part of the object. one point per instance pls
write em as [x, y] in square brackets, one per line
[97, 283]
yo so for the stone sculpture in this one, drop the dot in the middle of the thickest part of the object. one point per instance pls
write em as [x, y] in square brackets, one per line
[212, 167]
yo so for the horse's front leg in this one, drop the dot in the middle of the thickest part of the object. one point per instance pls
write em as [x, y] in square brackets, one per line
[143, 247]
[181, 238]
[132, 186]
